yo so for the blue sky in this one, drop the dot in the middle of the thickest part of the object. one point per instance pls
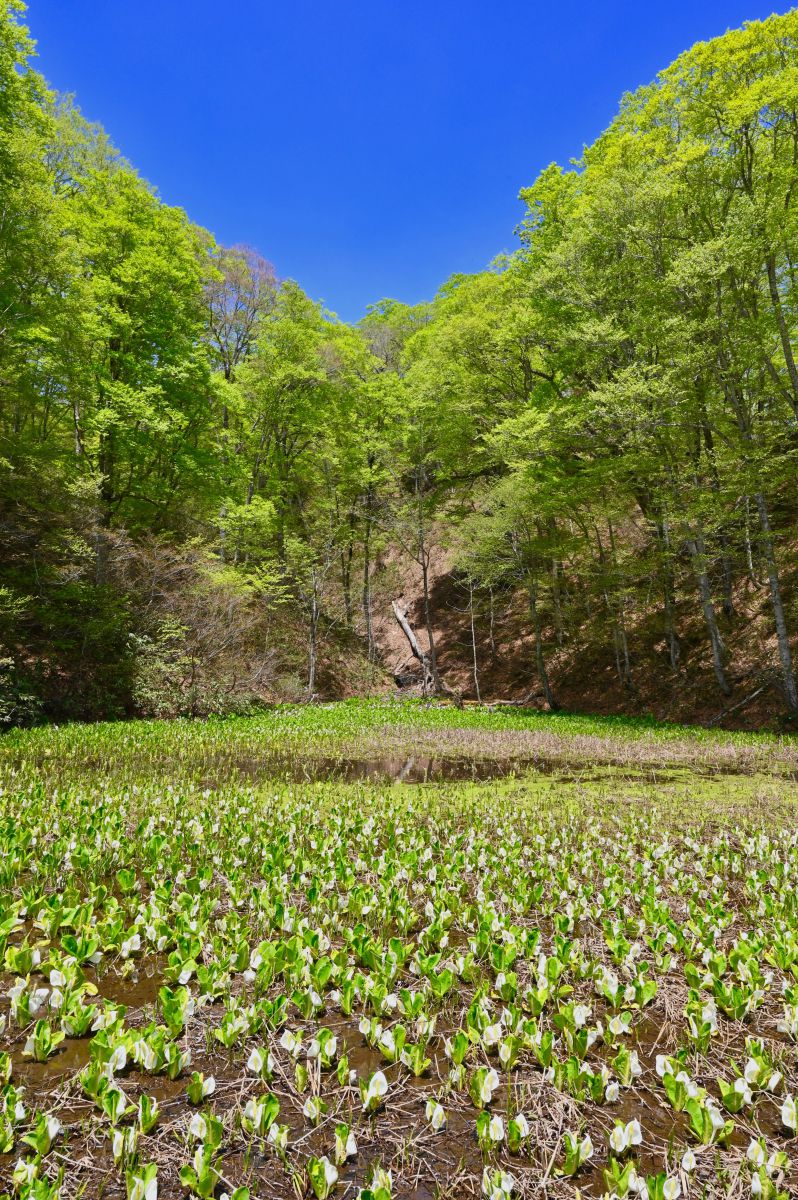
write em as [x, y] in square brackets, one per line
[368, 149]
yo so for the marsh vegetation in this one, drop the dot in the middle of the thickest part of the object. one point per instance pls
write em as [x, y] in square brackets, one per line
[580, 977]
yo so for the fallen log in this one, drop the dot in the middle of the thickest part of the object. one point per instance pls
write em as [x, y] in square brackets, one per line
[429, 682]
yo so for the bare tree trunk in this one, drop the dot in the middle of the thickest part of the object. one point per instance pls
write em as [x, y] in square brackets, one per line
[473, 639]
[346, 583]
[556, 571]
[728, 577]
[367, 614]
[620, 619]
[784, 333]
[540, 662]
[671, 636]
[697, 550]
[433, 660]
[788, 675]
[312, 640]
[418, 653]
[749, 550]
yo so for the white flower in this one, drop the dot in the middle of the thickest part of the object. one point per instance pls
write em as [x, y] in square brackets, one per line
[377, 1088]
[198, 1127]
[435, 1115]
[118, 1059]
[623, 1137]
[142, 1191]
[756, 1154]
[789, 1114]
[496, 1129]
[751, 1071]
[581, 1015]
[522, 1125]
[489, 1085]
[256, 1061]
[290, 1042]
[664, 1065]
[611, 1092]
[145, 1055]
[330, 1171]
[278, 1135]
[689, 1161]
[492, 1035]
[671, 1189]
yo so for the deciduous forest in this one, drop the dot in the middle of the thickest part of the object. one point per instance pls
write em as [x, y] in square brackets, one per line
[212, 491]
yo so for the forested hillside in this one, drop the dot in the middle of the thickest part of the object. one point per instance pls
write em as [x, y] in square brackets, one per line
[212, 490]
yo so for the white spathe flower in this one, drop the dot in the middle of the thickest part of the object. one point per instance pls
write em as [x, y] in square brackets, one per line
[789, 1114]
[256, 1061]
[144, 1191]
[496, 1129]
[671, 1189]
[377, 1088]
[278, 1135]
[664, 1065]
[689, 1161]
[751, 1072]
[581, 1015]
[756, 1153]
[435, 1115]
[330, 1171]
[198, 1127]
[489, 1085]
[623, 1137]
[521, 1125]
[291, 1042]
[118, 1059]
[612, 1091]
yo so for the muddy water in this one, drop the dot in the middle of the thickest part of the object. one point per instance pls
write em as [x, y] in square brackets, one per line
[421, 769]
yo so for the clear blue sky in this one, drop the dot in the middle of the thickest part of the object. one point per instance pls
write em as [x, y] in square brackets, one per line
[369, 148]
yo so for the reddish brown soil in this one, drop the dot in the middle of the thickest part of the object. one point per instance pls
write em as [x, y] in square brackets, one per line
[582, 670]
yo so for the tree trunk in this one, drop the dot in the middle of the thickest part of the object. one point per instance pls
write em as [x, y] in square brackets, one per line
[473, 639]
[401, 616]
[784, 333]
[788, 674]
[312, 641]
[433, 661]
[698, 552]
[671, 636]
[367, 614]
[540, 662]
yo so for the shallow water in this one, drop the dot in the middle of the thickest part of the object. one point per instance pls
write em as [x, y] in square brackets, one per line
[421, 769]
